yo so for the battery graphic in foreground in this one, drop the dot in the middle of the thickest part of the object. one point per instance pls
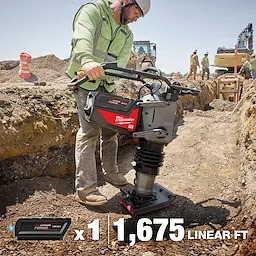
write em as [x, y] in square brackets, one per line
[41, 228]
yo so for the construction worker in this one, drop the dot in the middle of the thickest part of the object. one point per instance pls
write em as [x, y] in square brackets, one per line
[245, 69]
[193, 65]
[253, 66]
[101, 34]
[205, 66]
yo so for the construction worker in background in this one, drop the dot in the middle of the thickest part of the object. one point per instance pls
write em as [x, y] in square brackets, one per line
[245, 70]
[253, 66]
[101, 34]
[205, 66]
[193, 65]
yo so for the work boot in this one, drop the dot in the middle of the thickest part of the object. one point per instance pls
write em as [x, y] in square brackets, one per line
[115, 178]
[94, 198]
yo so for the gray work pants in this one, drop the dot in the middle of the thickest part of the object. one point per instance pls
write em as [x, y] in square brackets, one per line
[245, 72]
[206, 70]
[86, 140]
[253, 74]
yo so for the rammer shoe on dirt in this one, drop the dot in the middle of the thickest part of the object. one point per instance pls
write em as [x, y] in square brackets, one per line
[94, 198]
[116, 179]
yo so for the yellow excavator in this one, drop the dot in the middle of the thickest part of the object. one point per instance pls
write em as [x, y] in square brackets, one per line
[143, 55]
[225, 57]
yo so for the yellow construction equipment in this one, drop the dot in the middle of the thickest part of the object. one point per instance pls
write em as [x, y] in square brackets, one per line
[143, 55]
[225, 57]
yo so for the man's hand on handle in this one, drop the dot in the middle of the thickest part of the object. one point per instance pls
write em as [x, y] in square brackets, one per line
[91, 69]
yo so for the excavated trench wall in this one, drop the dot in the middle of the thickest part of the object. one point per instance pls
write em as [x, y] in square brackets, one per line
[248, 136]
[37, 132]
[248, 147]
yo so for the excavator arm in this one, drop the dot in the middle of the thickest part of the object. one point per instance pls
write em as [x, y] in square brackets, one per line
[245, 38]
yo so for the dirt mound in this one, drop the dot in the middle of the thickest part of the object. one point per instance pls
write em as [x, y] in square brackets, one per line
[46, 68]
[7, 65]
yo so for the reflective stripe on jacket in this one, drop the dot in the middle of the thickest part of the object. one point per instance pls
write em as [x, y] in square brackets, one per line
[97, 37]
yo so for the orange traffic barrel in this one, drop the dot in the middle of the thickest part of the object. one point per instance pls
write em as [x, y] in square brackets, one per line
[24, 72]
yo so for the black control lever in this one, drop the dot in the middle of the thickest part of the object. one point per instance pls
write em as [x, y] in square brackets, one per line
[154, 69]
[74, 83]
[184, 90]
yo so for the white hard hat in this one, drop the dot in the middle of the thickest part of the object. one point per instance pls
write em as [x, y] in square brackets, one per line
[195, 50]
[206, 53]
[144, 6]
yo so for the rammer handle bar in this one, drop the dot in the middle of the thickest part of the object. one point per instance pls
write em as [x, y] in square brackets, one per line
[133, 74]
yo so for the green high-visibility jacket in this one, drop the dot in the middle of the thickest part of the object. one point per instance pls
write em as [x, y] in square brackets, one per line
[205, 61]
[98, 37]
[253, 64]
[247, 64]
[194, 60]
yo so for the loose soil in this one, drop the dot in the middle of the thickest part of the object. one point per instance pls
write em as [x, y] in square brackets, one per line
[210, 166]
